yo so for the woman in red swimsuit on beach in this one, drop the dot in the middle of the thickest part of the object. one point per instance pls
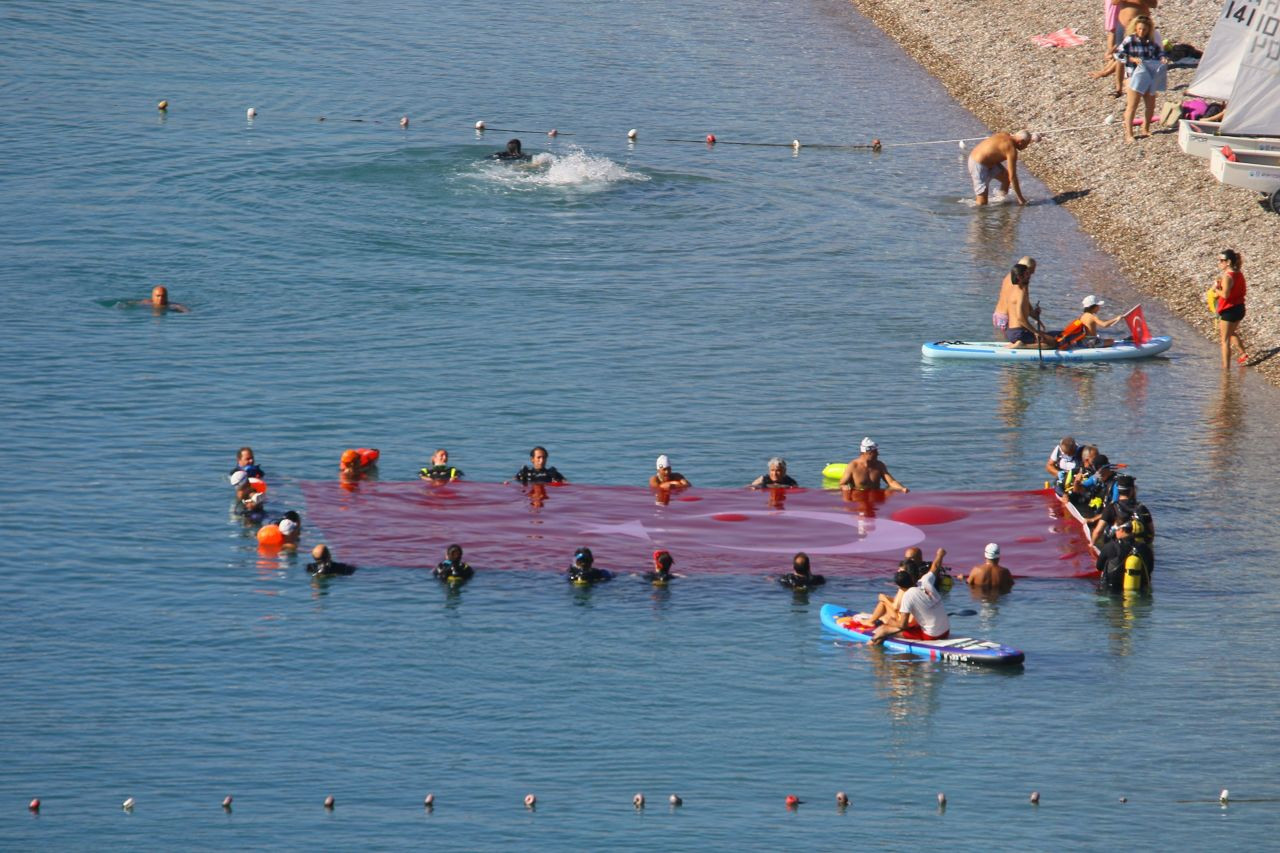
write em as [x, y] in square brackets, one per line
[1230, 287]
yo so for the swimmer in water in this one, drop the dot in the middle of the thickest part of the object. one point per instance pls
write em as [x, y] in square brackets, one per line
[801, 577]
[325, 566]
[661, 574]
[775, 477]
[513, 154]
[245, 463]
[354, 464]
[290, 529]
[452, 569]
[159, 302]
[583, 570]
[538, 472]
[867, 471]
[665, 478]
[440, 470]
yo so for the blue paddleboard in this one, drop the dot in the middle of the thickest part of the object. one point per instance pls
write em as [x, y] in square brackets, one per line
[849, 624]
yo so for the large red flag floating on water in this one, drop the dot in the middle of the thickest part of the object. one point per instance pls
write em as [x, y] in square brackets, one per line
[1137, 322]
[740, 531]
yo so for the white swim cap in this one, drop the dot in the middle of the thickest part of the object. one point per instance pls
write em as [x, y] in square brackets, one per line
[992, 552]
[288, 526]
[238, 477]
[869, 444]
[662, 462]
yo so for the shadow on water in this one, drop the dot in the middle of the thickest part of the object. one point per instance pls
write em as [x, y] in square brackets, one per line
[1124, 612]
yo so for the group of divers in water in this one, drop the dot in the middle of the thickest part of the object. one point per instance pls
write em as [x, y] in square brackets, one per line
[1087, 483]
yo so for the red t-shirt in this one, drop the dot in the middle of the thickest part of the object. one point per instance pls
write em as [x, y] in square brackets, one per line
[1235, 293]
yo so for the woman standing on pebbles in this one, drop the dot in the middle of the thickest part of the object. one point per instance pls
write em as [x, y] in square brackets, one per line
[1140, 51]
[1230, 289]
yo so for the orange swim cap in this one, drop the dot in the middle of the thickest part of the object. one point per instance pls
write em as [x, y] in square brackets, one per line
[349, 456]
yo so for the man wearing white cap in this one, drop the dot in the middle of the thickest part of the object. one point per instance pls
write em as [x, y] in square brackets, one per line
[664, 477]
[1083, 330]
[990, 575]
[867, 471]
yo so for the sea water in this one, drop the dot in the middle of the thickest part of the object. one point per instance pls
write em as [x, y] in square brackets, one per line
[352, 283]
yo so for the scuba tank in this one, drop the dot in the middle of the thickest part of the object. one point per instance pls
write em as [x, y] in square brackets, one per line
[1135, 574]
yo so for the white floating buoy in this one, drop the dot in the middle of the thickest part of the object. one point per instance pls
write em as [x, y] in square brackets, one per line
[127, 805]
[961, 144]
[638, 801]
[795, 143]
[1035, 798]
[675, 800]
[631, 134]
[404, 121]
[1224, 797]
[429, 801]
[842, 799]
[479, 125]
[251, 113]
[1124, 799]
[942, 800]
[162, 106]
[329, 801]
[530, 801]
[226, 802]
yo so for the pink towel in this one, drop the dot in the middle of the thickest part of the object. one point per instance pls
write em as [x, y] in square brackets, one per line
[1065, 37]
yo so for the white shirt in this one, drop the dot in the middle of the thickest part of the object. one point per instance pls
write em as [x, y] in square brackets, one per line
[924, 603]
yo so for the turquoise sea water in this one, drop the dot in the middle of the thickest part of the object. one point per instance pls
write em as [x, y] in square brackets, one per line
[352, 283]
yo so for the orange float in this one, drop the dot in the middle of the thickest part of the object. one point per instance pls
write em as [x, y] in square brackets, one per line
[270, 535]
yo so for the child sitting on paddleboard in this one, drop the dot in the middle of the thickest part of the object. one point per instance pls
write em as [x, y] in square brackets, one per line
[1083, 330]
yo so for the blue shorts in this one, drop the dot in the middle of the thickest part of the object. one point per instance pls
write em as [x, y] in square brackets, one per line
[1019, 336]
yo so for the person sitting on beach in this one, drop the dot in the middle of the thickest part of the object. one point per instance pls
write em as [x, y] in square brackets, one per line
[452, 569]
[245, 463]
[512, 154]
[440, 470]
[325, 565]
[1083, 331]
[1141, 53]
[1063, 461]
[776, 477]
[664, 477]
[917, 612]
[159, 302]
[538, 472]
[801, 577]
[583, 571]
[866, 471]
[990, 575]
[996, 158]
[290, 529]
[661, 574]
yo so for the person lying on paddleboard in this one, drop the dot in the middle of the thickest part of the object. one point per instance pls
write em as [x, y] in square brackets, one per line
[775, 477]
[440, 470]
[664, 477]
[583, 570]
[513, 153]
[1083, 330]
[801, 577]
[538, 472]
[920, 613]
[325, 565]
[990, 575]
[452, 569]
[867, 471]
[661, 574]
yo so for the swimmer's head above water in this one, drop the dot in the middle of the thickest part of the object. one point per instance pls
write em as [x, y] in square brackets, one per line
[800, 563]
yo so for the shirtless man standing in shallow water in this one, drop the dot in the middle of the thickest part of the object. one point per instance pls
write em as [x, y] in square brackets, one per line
[996, 159]
[867, 471]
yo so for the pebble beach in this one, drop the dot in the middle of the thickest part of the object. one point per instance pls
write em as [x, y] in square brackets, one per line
[1159, 212]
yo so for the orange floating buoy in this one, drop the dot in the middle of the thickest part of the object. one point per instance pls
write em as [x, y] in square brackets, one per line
[793, 801]
[259, 486]
[270, 535]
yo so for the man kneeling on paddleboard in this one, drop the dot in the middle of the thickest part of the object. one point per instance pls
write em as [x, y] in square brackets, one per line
[918, 612]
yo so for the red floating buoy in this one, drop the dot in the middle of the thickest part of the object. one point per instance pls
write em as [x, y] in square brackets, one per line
[34, 805]
[792, 801]
[530, 801]
[711, 139]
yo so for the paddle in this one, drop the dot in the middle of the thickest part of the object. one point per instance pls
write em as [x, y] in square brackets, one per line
[1039, 336]
[963, 613]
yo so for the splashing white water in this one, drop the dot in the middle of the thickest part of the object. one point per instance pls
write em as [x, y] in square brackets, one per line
[574, 169]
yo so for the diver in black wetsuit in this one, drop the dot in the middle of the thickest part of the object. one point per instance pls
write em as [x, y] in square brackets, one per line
[538, 472]
[583, 570]
[324, 565]
[801, 577]
[451, 569]
[512, 154]
[661, 574]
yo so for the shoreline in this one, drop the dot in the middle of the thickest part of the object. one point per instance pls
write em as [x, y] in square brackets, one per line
[1148, 194]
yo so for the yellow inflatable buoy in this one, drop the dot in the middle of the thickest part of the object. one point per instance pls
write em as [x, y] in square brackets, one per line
[1211, 299]
[834, 470]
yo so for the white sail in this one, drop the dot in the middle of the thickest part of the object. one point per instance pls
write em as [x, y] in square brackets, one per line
[1253, 107]
[1216, 72]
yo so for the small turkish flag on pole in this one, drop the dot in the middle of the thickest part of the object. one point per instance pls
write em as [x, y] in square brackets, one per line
[1137, 323]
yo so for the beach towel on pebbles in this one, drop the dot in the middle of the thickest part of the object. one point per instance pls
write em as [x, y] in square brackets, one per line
[1065, 37]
